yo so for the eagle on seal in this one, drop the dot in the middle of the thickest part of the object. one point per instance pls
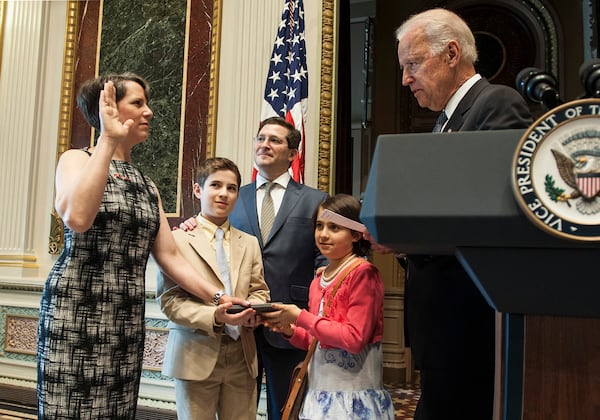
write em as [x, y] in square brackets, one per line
[580, 171]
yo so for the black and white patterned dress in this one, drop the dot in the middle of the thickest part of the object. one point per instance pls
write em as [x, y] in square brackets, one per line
[91, 329]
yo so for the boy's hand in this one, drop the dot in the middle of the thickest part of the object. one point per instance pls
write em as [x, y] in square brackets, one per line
[241, 318]
[234, 300]
[253, 321]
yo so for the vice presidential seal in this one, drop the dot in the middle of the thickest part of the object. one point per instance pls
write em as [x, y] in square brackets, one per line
[556, 171]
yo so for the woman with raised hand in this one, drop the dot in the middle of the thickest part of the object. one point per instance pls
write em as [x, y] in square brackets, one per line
[91, 327]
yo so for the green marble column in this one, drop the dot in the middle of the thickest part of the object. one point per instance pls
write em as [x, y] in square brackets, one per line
[148, 38]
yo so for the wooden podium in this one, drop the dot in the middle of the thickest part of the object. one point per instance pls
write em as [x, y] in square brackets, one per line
[451, 194]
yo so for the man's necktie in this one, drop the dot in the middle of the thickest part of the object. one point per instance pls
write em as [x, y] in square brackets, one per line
[439, 123]
[267, 214]
[231, 330]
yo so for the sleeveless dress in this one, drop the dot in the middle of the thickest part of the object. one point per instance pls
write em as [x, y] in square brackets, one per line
[91, 328]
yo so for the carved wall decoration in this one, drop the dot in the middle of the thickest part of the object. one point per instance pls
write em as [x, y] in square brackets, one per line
[18, 339]
[155, 345]
[21, 334]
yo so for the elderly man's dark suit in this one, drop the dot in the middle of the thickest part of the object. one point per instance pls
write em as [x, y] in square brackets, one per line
[450, 326]
[290, 258]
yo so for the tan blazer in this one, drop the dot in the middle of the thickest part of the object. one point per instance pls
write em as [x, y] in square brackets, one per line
[194, 341]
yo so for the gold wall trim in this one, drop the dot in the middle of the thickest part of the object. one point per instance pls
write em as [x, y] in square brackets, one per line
[20, 261]
[182, 111]
[19, 286]
[12, 257]
[68, 78]
[18, 265]
[326, 121]
[56, 238]
[213, 91]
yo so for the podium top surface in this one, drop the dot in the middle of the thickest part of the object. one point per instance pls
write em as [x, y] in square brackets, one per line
[433, 193]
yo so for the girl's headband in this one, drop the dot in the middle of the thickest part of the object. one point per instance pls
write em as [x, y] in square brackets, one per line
[340, 220]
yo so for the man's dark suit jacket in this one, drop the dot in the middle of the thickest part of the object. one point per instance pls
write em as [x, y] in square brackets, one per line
[290, 255]
[449, 323]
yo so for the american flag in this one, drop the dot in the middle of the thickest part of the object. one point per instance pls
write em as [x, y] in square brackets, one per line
[286, 89]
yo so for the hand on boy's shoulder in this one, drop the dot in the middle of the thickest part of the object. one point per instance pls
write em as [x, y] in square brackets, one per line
[187, 225]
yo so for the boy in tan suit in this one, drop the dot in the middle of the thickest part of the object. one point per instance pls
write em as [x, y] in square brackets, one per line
[211, 353]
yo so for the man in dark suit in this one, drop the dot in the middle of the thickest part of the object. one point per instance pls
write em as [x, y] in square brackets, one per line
[289, 253]
[290, 256]
[450, 327]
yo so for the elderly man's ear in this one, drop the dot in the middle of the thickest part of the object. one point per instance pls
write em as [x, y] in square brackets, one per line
[452, 53]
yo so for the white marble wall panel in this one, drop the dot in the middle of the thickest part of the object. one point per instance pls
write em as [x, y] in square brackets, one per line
[29, 87]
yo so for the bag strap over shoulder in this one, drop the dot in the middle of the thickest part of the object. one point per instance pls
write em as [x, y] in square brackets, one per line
[297, 385]
[336, 286]
[358, 261]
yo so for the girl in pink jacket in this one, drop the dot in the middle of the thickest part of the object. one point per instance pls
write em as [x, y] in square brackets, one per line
[345, 372]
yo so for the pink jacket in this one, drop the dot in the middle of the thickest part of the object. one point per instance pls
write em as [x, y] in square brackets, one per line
[354, 318]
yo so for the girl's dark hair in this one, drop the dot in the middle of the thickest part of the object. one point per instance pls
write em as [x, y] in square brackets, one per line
[347, 206]
[89, 93]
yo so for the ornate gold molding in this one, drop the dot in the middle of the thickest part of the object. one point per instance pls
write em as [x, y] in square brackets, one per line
[56, 239]
[213, 90]
[68, 77]
[326, 121]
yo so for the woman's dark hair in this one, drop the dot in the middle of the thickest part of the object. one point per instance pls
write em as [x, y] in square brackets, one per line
[347, 206]
[89, 93]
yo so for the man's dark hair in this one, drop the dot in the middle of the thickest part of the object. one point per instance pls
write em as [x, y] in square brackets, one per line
[293, 137]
